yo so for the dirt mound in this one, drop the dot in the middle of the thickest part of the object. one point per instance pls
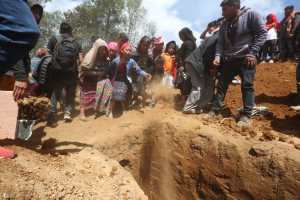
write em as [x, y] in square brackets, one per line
[274, 88]
[84, 175]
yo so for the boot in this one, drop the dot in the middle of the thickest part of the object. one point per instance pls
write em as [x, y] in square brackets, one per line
[298, 95]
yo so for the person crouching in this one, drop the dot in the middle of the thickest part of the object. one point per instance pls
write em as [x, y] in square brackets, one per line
[119, 74]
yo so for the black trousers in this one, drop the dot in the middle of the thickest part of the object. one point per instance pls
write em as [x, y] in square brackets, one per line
[286, 48]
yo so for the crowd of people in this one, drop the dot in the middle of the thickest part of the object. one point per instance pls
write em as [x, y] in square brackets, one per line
[114, 76]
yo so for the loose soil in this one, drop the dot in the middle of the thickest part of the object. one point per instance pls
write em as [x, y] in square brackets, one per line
[165, 154]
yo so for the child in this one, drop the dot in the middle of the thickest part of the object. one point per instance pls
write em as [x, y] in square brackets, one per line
[169, 64]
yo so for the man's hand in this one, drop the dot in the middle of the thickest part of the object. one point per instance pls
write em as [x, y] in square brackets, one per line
[20, 89]
[251, 61]
[181, 69]
[217, 61]
[148, 77]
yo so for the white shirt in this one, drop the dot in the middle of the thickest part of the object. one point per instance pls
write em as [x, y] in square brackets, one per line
[272, 34]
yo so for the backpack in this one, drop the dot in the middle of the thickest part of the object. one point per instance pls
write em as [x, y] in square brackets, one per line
[43, 72]
[65, 55]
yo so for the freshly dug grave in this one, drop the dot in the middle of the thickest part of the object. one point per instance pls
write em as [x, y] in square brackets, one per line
[196, 162]
[171, 156]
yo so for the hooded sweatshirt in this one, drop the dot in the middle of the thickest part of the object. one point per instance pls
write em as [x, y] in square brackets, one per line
[243, 37]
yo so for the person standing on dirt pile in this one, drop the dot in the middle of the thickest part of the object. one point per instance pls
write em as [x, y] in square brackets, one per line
[187, 47]
[286, 34]
[122, 39]
[269, 49]
[157, 49]
[211, 29]
[198, 66]
[67, 54]
[169, 64]
[119, 75]
[95, 86]
[241, 36]
[113, 50]
[141, 88]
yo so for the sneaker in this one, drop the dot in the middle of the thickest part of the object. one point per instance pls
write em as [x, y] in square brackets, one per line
[236, 82]
[193, 111]
[212, 114]
[244, 121]
[271, 61]
[295, 108]
[67, 117]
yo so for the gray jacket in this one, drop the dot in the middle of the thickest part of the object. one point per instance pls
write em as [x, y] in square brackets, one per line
[200, 57]
[250, 35]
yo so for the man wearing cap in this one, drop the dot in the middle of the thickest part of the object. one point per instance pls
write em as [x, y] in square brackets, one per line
[241, 36]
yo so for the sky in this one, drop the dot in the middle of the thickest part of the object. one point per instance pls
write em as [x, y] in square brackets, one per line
[170, 16]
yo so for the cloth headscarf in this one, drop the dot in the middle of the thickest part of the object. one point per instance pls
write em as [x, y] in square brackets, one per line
[158, 40]
[126, 45]
[271, 20]
[187, 34]
[90, 58]
[113, 46]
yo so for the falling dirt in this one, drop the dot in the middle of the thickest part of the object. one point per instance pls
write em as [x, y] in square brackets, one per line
[166, 155]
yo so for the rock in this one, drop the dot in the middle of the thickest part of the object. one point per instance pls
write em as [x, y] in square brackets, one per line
[260, 150]
[297, 146]
[283, 138]
[269, 135]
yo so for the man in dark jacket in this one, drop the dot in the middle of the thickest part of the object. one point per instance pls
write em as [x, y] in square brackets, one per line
[19, 33]
[241, 36]
[286, 34]
[64, 81]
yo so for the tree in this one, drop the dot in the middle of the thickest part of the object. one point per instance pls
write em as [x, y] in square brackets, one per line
[96, 18]
[49, 26]
[106, 18]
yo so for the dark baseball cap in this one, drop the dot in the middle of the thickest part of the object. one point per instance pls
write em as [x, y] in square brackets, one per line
[230, 2]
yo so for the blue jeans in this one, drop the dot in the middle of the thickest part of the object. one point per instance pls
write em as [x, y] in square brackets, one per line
[65, 93]
[19, 32]
[228, 71]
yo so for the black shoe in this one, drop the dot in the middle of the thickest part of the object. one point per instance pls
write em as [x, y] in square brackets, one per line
[52, 120]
